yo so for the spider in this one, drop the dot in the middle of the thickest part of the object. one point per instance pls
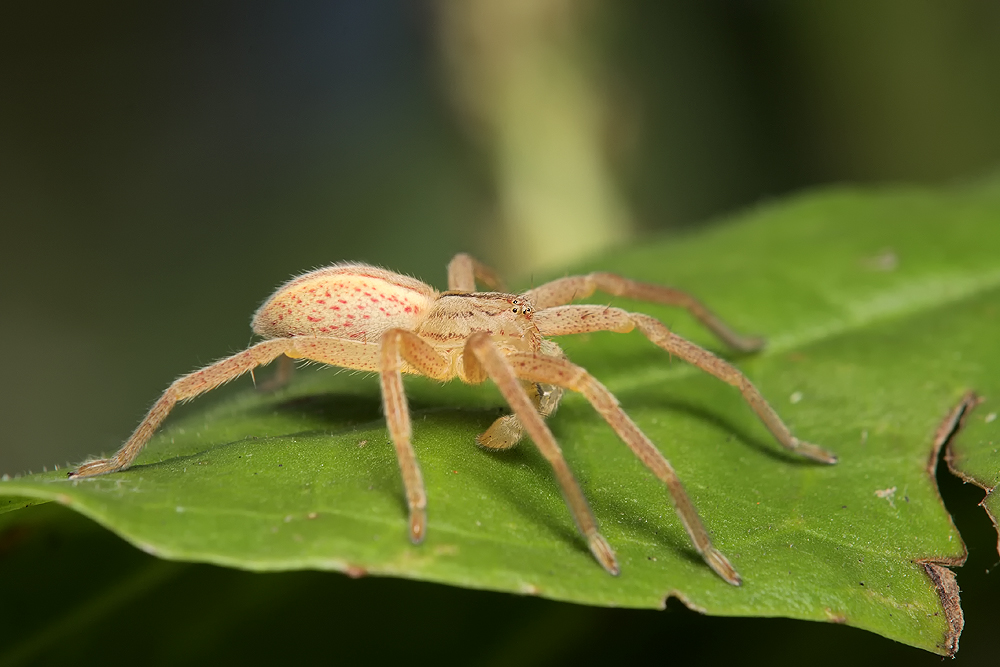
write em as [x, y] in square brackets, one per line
[366, 318]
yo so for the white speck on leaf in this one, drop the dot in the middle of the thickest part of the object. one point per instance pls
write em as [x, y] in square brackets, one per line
[885, 261]
[887, 494]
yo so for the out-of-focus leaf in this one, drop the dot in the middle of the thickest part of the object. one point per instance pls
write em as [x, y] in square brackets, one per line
[11, 503]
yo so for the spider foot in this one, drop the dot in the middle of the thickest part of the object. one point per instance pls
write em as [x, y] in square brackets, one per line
[603, 553]
[747, 343]
[92, 468]
[814, 452]
[418, 524]
[722, 566]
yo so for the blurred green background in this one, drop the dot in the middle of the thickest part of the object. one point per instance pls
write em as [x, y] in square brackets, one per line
[163, 166]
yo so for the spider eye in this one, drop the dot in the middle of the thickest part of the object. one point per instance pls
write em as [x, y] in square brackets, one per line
[514, 309]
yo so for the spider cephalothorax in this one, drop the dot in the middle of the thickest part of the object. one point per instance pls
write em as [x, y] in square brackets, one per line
[366, 318]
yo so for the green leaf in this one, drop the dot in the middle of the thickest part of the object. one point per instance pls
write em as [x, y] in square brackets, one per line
[881, 309]
[11, 503]
[974, 454]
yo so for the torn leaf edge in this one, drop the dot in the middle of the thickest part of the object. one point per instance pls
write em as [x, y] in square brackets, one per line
[938, 569]
[951, 458]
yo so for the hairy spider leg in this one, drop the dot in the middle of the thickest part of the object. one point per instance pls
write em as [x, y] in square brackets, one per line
[564, 320]
[561, 372]
[334, 351]
[482, 359]
[399, 345]
[464, 270]
[564, 290]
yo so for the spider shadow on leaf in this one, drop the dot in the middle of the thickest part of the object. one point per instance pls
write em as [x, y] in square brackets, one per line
[654, 523]
[494, 471]
[751, 437]
[333, 412]
[336, 409]
[330, 412]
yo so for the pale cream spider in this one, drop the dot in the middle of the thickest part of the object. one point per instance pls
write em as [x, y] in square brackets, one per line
[369, 319]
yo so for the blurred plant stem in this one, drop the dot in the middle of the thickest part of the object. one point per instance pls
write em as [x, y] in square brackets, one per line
[527, 88]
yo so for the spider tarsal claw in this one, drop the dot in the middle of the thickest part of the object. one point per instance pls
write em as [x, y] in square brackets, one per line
[749, 343]
[604, 554]
[723, 567]
[92, 468]
[418, 525]
[815, 452]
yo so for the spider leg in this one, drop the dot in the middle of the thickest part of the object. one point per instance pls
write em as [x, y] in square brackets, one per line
[282, 375]
[507, 431]
[464, 270]
[565, 320]
[482, 358]
[399, 345]
[563, 373]
[338, 352]
[564, 290]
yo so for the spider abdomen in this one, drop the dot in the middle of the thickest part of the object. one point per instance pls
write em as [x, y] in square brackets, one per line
[353, 301]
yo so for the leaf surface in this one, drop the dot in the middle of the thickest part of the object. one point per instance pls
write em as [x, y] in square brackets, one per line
[881, 309]
[974, 454]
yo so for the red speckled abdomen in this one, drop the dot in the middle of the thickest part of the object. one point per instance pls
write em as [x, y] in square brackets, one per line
[354, 301]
